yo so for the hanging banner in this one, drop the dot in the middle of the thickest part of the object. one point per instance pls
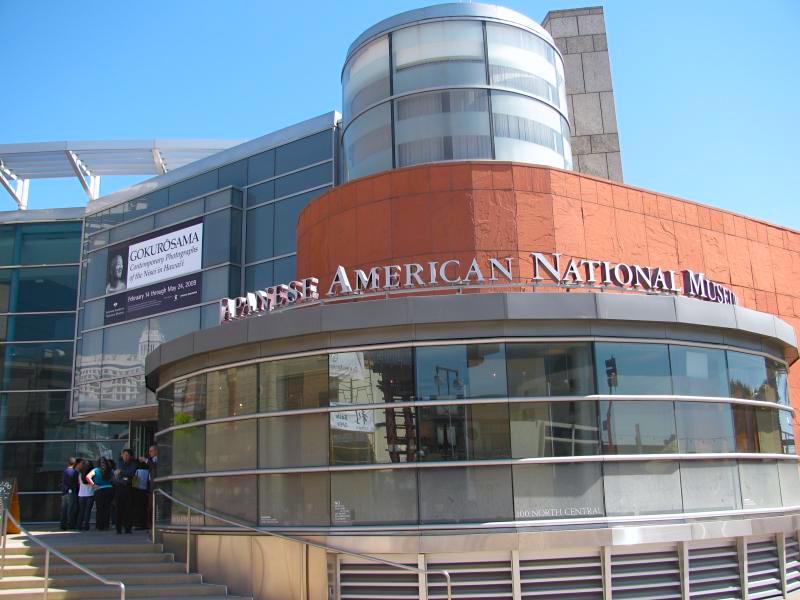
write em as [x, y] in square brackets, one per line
[155, 273]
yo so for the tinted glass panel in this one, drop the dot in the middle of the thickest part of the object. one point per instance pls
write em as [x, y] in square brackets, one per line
[286, 213]
[124, 349]
[293, 383]
[367, 142]
[231, 446]
[473, 432]
[374, 497]
[232, 392]
[748, 376]
[37, 366]
[637, 427]
[94, 282]
[233, 497]
[260, 233]
[131, 229]
[259, 276]
[41, 327]
[558, 491]
[234, 174]
[644, 488]
[122, 392]
[471, 371]
[465, 495]
[190, 400]
[789, 472]
[5, 288]
[293, 441]
[372, 376]
[49, 243]
[218, 245]
[168, 327]
[554, 429]
[196, 186]
[93, 314]
[303, 180]
[632, 369]
[36, 416]
[306, 151]
[261, 193]
[710, 485]
[146, 204]
[698, 371]
[704, 427]
[777, 386]
[285, 269]
[188, 450]
[365, 79]
[7, 236]
[760, 484]
[261, 166]
[550, 369]
[757, 429]
[373, 436]
[180, 213]
[294, 499]
[787, 432]
[47, 288]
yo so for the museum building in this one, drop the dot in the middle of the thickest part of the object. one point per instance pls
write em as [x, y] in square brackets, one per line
[439, 330]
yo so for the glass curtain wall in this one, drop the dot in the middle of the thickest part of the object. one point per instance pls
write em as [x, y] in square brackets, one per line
[39, 264]
[454, 89]
[248, 210]
[370, 414]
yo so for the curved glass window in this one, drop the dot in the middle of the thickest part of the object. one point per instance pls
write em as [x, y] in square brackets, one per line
[232, 496]
[386, 435]
[465, 494]
[632, 369]
[757, 429]
[787, 432]
[698, 371]
[760, 484]
[293, 441]
[523, 61]
[554, 429]
[188, 450]
[472, 432]
[371, 376]
[463, 371]
[365, 79]
[190, 400]
[370, 497]
[438, 54]
[549, 369]
[232, 392]
[642, 488]
[704, 427]
[231, 445]
[526, 130]
[777, 383]
[294, 499]
[748, 376]
[446, 125]
[637, 427]
[293, 383]
[558, 491]
[368, 142]
[710, 485]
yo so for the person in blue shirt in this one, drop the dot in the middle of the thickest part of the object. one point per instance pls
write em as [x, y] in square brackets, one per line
[69, 494]
[102, 479]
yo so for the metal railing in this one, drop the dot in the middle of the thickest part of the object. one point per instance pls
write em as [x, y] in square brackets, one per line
[190, 509]
[50, 550]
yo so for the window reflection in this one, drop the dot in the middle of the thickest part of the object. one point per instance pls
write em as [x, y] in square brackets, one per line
[232, 392]
[698, 371]
[787, 432]
[549, 369]
[293, 383]
[451, 372]
[373, 436]
[372, 376]
[642, 488]
[554, 429]
[294, 499]
[466, 494]
[370, 497]
[710, 485]
[472, 432]
[558, 491]
[637, 427]
[704, 427]
[777, 384]
[748, 376]
[757, 429]
[632, 369]
[190, 399]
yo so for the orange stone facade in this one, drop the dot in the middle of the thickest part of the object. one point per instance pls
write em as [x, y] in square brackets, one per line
[493, 209]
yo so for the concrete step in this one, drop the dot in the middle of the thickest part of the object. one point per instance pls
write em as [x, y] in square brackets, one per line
[81, 579]
[62, 568]
[35, 549]
[90, 559]
[171, 591]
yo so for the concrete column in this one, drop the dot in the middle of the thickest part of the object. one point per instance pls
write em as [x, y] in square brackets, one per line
[580, 34]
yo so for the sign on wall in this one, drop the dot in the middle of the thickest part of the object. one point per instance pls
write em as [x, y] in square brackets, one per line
[155, 273]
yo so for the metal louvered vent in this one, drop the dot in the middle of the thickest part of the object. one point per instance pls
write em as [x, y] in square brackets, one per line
[650, 575]
[792, 564]
[376, 582]
[470, 581]
[562, 578]
[763, 570]
[714, 573]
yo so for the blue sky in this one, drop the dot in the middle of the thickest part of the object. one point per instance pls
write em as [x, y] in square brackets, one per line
[707, 92]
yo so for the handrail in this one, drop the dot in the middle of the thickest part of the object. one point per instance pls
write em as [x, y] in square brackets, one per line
[48, 550]
[289, 538]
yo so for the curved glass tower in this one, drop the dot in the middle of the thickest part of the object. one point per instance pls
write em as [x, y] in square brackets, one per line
[453, 82]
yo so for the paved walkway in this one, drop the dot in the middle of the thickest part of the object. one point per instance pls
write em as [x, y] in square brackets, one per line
[57, 538]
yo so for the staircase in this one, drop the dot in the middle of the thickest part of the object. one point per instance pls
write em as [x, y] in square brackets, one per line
[145, 569]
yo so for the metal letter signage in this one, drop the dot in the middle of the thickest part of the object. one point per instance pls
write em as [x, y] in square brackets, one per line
[553, 267]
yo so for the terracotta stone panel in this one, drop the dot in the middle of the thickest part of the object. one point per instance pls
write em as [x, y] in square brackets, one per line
[373, 221]
[452, 222]
[717, 220]
[540, 180]
[785, 270]
[690, 211]
[460, 177]
[340, 253]
[568, 224]
[522, 180]
[439, 177]
[605, 194]
[502, 178]
[650, 204]
[715, 256]
[661, 245]
[495, 215]
[678, 211]
[589, 190]
[664, 207]
[761, 265]
[411, 224]
[704, 217]
[558, 183]
[690, 247]
[741, 226]
[752, 229]
[482, 176]
[572, 186]
[631, 237]
[600, 232]
[763, 236]
[785, 305]
[739, 261]
[728, 224]
[619, 196]
[775, 237]
[636, 201]
[535, 228]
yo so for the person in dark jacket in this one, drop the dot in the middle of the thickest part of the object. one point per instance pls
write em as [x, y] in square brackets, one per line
[123, 490]
[69, 494]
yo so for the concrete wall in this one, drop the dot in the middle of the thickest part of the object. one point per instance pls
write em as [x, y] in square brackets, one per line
[580, 34]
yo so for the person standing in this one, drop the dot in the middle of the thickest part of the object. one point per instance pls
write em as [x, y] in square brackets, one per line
[126, 471]
[102, 478]
[85, 496]
[152, 465]
[69, 495]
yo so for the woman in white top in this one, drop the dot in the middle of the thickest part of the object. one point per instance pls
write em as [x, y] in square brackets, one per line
[85, 496]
